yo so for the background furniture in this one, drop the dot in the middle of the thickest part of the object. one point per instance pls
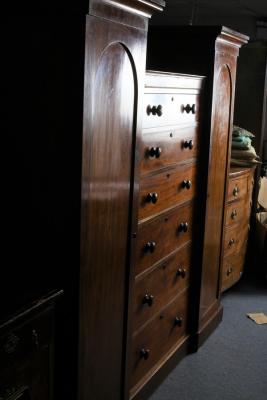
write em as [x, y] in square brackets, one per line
[210, 51]
[27, 352]
[236, 226]
[250, 113]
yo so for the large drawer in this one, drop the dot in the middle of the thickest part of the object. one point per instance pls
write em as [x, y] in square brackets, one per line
[162, 109]
[235, 238]
[163, 234]
[166, 189]
[162, 334]
[167, 146]
[155, 289]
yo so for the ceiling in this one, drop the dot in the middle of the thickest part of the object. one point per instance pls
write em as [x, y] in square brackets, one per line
[243, 15]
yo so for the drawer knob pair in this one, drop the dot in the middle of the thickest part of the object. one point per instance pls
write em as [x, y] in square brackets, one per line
[235, 191]
[144, 353]
[183, 227]
[186, 184]
[178, 321]
[152, 198]
[154, 152]
[154, 110]
[181, 272]
[188, 108]
[188, 144]
[234, 214]
[150, 246]
[148, 299]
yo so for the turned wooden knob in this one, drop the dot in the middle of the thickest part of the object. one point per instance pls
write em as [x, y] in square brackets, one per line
[178, 321]
[188, 108]
[186, 184]
[235, 191]
[154, 110]
[150, 246]
[183, 227]
[234, 214]
[188, 144]
[231, 242]
[181, 272]
[154, 152]
[144, 353]
[148, 299]
[152, 197]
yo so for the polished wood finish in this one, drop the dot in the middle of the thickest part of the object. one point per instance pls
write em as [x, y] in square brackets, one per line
[166, 235]
[170, 186]
[237, 224]
[114, 75]
[163, 281]
[210, 51]
[164, 230]
[159, 337]
[176, 145]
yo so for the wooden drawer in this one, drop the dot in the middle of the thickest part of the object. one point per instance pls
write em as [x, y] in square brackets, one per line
[167, 147]
[19, 344]
[237, 212]
[155, 289]
[161, 109]
[232, 269]
[158, 337]
[163, 234]
[235, 239]
[165, 189]
[239, 187]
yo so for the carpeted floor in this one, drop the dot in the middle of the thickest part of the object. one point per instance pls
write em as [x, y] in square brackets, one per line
[232, 363]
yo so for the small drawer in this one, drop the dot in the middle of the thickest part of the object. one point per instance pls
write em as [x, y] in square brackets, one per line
[235, 239]
[158, 337]
[238, 188]
[237, 212]
[166, 189]
[232, 269]
[162, 235]
[167, 147]
[24, 340]
[161, 109]
[155, 289]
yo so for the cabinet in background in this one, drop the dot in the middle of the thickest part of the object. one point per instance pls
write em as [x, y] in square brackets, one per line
[236, 227]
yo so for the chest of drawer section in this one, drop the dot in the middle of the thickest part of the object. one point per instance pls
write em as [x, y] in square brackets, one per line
[169, 153]
[237, 214]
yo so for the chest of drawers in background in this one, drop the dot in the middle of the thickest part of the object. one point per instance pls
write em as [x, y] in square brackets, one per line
[168, 175]
[236, 227]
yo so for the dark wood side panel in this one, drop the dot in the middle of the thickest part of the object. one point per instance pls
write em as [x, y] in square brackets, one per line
[109, 140]
[216, 187]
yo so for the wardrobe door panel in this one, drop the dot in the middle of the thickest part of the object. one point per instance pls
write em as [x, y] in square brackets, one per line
[108, 148]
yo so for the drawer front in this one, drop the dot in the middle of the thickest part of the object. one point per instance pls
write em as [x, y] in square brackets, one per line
[158, 337]
[235, 239]
[238, 188]
[232, 269]
[19, 344]
[237, 212]
[156, 289]
[170, 109]
[165, 189]
[160, 236]
[167, 147]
